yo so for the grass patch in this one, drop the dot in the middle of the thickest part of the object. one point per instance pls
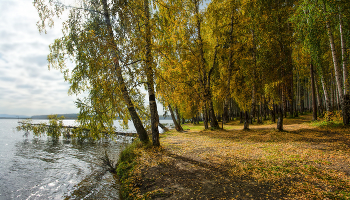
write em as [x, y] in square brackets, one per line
[327, 124]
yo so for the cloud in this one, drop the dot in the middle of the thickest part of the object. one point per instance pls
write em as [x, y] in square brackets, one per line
[7, 78]
[20, 86]
[40, 60]
[26, 85]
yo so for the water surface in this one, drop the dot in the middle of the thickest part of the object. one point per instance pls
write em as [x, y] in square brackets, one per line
[40, 168]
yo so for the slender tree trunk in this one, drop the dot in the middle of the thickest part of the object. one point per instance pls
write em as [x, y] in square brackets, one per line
[225, 116]
[337, 98]
[163, 127]
[280, 110]
[344, 56]
[213, 122]
[253, 105]
[295, 99]
[273, 113]
[301, 98]
[205, 120]
[291, 110]
[284, 102]
[326, 97]
[178, 126]
[141, 131]
[280, 118]
[258, 114]
[232, 111]
[178, 119]
[265, 108]
[150, 77]
[298, 102]
[308, 99]
[246, 121]
[319, 100]
[314, 106]
[260, 111]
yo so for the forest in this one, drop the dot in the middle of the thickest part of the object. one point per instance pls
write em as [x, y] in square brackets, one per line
[254, 60]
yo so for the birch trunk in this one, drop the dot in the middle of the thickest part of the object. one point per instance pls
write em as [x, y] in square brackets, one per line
[178, 126]
[313, 92]
[177, 115]
[150, 77]
[344, 56]
[319, 100]
[141, 131]
[326, 98]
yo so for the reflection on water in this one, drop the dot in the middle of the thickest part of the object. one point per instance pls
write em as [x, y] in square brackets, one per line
[40, 168]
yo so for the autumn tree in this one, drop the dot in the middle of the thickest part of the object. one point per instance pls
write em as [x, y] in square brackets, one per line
[96, 43]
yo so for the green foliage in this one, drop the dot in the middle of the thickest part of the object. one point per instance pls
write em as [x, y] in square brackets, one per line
[54, 128]
[330, 120]
[247, 50]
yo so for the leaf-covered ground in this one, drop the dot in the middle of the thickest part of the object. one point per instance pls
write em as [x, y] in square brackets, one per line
[303, 162]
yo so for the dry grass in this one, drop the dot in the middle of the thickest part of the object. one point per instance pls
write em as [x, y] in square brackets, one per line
[303, 162]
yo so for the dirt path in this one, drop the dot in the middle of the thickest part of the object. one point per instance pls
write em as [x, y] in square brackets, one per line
[302, 162]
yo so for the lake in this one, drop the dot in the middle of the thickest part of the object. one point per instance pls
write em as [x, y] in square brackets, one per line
[40, 168]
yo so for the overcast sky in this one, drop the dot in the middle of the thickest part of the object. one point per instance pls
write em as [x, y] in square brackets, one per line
[27, 87]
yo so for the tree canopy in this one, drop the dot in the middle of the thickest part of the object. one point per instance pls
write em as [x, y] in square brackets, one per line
[209, 61]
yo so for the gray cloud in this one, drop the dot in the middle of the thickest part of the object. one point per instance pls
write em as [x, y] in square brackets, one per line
[26, 85]
[9, 46]
[52, 77]
[7, 78]
[40, 60]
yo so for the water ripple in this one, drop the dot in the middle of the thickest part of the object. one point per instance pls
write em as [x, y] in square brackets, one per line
[39, 168]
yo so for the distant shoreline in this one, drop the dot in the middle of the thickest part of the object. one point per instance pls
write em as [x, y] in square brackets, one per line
[66, 116]
[13, 118]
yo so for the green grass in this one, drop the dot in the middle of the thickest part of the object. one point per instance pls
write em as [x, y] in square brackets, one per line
[327, 124]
